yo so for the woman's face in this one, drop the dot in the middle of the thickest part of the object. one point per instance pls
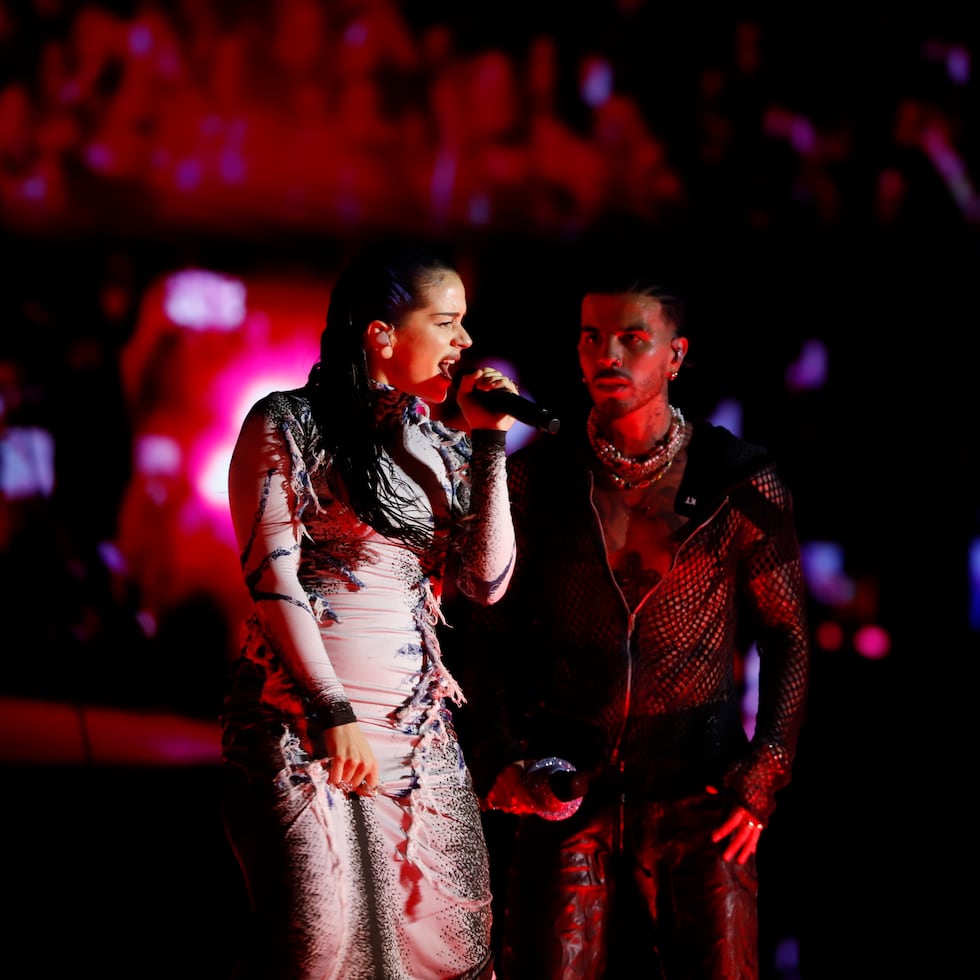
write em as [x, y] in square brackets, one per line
[425, 346]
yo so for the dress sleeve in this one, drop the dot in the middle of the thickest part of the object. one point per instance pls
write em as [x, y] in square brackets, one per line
[268, 486]
[487, 550]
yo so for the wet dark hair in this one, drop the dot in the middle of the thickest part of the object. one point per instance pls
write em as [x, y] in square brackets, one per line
[671, 302]
[620, 255]
[384, 281]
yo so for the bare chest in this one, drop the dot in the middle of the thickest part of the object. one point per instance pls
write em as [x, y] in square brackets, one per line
[641, 531]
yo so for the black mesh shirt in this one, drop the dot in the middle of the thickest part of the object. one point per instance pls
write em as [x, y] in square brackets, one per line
[646, 700]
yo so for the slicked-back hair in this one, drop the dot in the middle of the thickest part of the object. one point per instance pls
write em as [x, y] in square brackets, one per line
[671, 302]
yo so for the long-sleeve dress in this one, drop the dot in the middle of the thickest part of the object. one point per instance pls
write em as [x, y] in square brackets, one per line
[343, 627]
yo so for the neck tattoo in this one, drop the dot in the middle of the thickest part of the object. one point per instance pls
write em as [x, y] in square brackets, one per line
[637, 472]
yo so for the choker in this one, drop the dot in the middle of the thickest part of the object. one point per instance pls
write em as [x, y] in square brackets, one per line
[637, 472]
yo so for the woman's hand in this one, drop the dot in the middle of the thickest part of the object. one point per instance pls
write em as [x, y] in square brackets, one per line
[350, 763]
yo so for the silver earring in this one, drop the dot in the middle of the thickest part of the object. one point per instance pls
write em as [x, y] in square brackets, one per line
[672, 376]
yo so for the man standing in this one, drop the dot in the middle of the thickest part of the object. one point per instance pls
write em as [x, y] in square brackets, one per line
[652, 553]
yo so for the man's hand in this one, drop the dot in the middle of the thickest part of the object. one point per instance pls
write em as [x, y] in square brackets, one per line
[743, 831]
[509, 792]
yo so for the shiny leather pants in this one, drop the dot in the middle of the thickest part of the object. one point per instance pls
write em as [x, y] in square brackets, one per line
[635, 890]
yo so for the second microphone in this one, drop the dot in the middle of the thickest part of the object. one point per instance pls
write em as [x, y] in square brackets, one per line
[507, 403]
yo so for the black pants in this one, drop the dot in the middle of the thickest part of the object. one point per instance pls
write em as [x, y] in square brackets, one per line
[634, 890]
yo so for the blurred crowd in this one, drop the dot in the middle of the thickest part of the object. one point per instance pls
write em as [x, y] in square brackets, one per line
[313, 115]
[129, 131]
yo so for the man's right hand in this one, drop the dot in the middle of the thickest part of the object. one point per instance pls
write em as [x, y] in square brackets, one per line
[510, 792]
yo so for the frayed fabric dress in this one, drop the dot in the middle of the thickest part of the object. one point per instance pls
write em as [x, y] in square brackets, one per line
[345, 887]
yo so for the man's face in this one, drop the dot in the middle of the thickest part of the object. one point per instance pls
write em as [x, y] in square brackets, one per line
[624, 350]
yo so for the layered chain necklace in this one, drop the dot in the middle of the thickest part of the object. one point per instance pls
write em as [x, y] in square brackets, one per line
[637, 472]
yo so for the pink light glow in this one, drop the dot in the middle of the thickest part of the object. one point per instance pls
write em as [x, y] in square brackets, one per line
[199, 299]
[872, 642]
[55, 733]
[206, 347]
[239, 386]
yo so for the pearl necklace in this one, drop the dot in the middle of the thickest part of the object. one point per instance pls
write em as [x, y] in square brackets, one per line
[637, 472]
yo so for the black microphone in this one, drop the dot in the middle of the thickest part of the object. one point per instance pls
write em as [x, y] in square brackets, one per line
[507, 403]
[568, 786]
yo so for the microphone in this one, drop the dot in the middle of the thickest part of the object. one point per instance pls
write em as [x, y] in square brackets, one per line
[568, 786]
[507, 403]
[555, 788]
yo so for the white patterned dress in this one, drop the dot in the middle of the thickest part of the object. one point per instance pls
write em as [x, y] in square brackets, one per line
[343, 626]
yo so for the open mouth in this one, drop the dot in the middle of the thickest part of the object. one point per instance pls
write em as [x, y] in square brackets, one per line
[446, 368]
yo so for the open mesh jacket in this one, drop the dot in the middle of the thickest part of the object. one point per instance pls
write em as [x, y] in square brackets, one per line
[646, 699]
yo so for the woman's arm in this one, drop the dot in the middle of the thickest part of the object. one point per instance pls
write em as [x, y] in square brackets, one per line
[487, 550]
[262, 489]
